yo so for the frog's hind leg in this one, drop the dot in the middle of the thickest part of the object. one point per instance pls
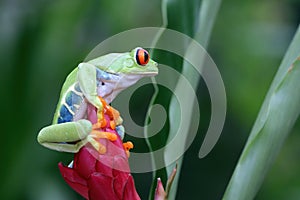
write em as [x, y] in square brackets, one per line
[67, 137]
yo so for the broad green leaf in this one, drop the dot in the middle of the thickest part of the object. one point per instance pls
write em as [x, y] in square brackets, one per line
[206, 18]
[195, 19]
[277, 116]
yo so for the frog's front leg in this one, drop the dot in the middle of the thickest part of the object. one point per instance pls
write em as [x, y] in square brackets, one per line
[71, 136]
[87, 78]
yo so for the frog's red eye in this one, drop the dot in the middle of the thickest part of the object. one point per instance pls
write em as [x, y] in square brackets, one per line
[142, 57]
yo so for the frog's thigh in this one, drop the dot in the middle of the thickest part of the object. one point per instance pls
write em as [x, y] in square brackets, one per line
[65, 132]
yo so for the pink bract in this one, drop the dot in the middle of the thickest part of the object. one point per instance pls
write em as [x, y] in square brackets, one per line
[98, 176]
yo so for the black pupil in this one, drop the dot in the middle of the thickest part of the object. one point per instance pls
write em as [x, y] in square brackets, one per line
[146, 56]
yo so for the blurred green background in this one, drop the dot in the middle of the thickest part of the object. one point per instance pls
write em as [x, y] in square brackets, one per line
[42, 41]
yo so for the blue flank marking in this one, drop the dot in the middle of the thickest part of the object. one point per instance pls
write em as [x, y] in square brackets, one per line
[73, 108]
[71, 100]
[77, 88]
[60, 120]
[65, 115]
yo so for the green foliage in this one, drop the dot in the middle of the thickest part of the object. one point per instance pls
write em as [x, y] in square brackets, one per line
[277, 117]
[42, 41]
[195, 19]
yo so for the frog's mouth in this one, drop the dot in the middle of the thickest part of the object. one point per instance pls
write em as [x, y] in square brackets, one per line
[138, 73]
[150, 73]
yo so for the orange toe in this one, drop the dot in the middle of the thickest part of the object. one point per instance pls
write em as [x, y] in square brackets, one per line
[112, 136]
[112, 125]
[96, 126]
[102, 134]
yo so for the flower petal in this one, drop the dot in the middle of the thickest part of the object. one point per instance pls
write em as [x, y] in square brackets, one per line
[130, 191]
[120, 180]
[104, 165]
[120, 165]
[101, 187]
[84, 163]
[74, 180]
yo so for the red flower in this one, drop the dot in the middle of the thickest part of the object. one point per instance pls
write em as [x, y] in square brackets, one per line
[98, 176]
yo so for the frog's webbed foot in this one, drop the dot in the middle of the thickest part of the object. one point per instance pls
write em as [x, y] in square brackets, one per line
[95, 135]
[102, 134]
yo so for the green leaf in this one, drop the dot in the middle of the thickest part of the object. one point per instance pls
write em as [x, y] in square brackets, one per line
[195, 19]
[277, 116]
[206, 18]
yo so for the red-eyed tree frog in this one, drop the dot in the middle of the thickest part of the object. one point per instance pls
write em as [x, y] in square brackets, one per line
[104, 76]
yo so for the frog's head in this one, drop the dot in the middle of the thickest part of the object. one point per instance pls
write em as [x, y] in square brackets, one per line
[137, 62]
[126, 68]
[142, 63]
